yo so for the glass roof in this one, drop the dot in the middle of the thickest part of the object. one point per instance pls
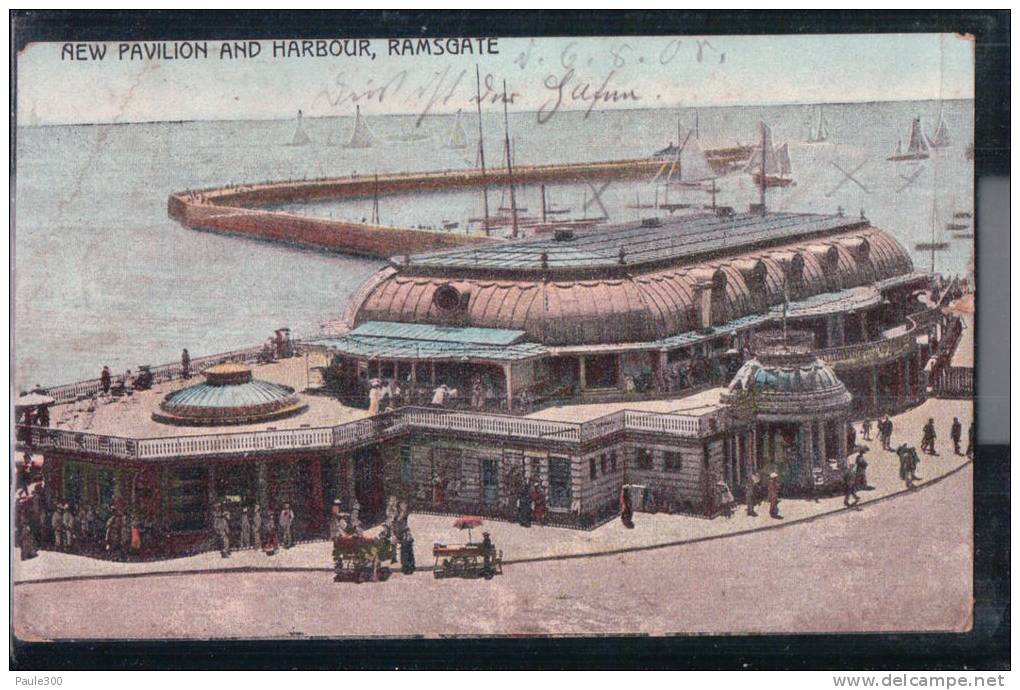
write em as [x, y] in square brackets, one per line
[673, 238]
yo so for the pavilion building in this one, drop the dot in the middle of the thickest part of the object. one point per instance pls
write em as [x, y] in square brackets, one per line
[668, 326]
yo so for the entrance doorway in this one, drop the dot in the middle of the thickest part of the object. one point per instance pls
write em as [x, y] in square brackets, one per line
[368, 483]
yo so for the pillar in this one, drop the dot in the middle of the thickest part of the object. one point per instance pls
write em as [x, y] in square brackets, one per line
[906, 379]
[807, 451]
[823, 455]
[619, 371]
[582, 380]
[211, 488]
[414, 371]
[841, 440]
[316, 507]
[874, 389]
[432, 373]
[863, 316]
[840, 330]
[508, 370]
[262, 474]
[348, 474]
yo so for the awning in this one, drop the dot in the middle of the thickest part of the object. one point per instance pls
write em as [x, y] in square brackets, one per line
[371, 347]
[439, 334]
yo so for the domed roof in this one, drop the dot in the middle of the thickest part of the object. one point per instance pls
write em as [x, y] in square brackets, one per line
[797, 377]
[559, 297]
[788, 380]
[229, 395]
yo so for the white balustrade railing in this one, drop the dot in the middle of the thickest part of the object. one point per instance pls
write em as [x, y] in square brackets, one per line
[600, 427]
[491, 424]
[671, 424]
[372, 429]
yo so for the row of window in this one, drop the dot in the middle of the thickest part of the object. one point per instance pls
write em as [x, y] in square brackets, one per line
[644, 458]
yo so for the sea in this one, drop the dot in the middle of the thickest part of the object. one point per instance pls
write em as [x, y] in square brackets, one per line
[103, 277]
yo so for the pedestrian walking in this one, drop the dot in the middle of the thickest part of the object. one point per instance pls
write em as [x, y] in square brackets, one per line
[861, 471]
[524, 505]
[850, 488]
[906, 474]
[928, 437]
[851, 437]
[222, 528]
[751, 493]
[867, 430]
[245, 529]
[774, 496]
[955, 432]
[286, 525]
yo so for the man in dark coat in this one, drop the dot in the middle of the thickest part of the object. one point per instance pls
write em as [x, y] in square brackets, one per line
[104, 380]
[928, 437]
[970, 440]
[861, 471]
[524, 505]
[751, 493]
[407, 553]
[774, 496]
[955, 432]
[185, 364]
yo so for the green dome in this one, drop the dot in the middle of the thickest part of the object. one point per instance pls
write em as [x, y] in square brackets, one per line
[229, 395]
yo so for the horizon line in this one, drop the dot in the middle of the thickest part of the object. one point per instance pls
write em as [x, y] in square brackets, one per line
[776, 104]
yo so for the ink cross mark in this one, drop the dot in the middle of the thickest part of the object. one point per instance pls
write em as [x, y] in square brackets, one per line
[848, 177]
[596, 198]
[909, 180]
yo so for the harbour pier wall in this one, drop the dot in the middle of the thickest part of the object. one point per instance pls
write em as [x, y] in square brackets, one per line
[242, 209]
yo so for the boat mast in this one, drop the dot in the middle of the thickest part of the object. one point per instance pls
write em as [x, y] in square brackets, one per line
[761, 185]
[375, 201]
[509, 163]
[543, 202]
[481, 148]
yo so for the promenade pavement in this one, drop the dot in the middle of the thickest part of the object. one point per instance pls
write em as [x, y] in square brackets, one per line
[538, 542]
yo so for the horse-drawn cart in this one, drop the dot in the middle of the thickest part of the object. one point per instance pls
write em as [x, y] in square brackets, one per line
[467, 560]
[359, 559]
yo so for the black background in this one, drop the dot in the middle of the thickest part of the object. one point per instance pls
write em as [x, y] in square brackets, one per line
[985, 647]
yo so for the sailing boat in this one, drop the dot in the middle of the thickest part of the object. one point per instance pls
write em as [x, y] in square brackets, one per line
[768, 165]
[940, 139]
[300, 136]
[917, 147]
[932, 246]
[361, 137]
[458, 137]
[819, 134]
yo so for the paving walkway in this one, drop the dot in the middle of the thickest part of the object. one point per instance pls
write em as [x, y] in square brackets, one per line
[540, 543]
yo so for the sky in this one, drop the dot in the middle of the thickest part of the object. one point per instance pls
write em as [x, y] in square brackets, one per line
[544, 74]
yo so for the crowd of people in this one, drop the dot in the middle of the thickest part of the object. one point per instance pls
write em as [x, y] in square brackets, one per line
[111, 532]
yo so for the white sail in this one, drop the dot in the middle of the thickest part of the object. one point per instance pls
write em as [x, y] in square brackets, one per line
[754, 165]
[694, 166]
[458, 137]
[916, 143]
[941, 137]
[300, 136]
[820, 132]
[361, 137]
[783, 154]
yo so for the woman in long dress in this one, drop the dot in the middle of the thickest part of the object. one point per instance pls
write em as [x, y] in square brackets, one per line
[626, 509]
[269, 543]
[374, 397]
